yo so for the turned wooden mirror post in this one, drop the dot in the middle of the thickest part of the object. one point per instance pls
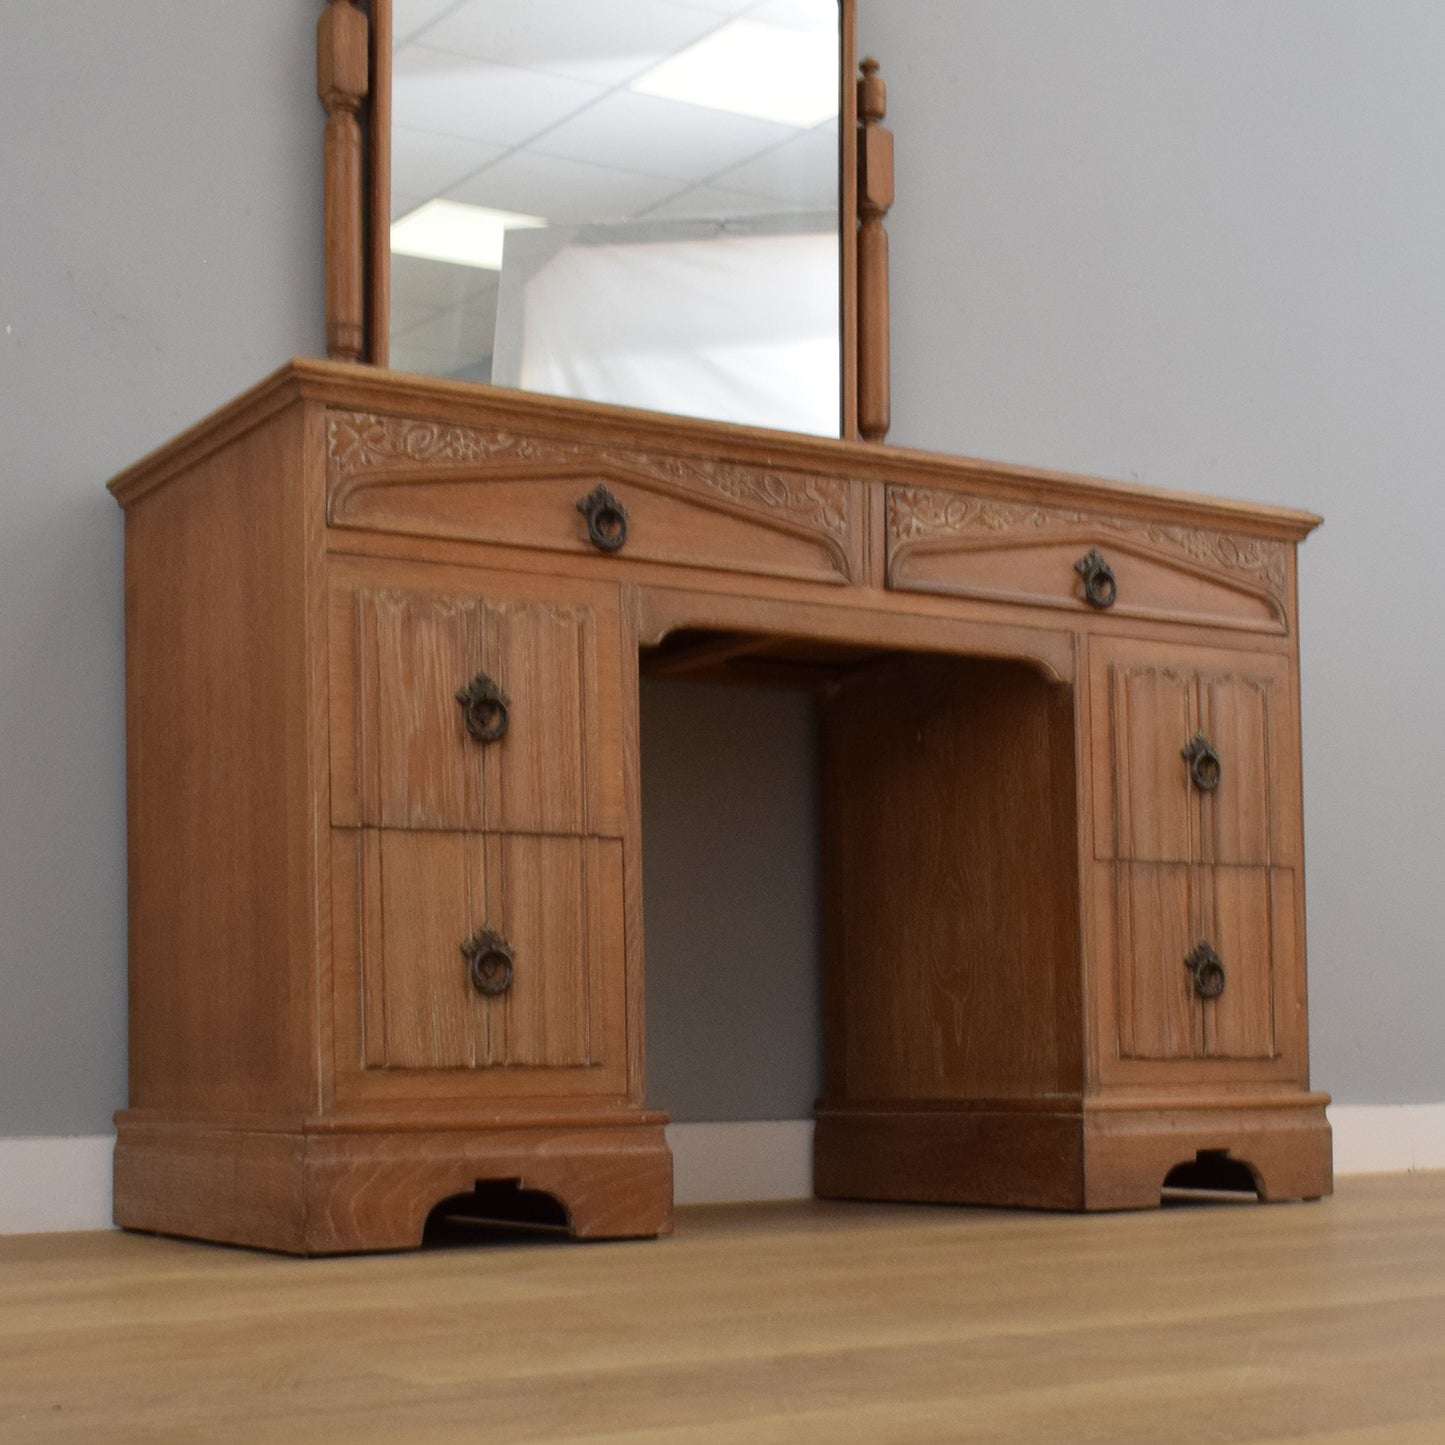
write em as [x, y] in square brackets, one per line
[342, 83]
[355, 85]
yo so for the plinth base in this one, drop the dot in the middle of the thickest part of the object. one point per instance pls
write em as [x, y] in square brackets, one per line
[330, 1190]
[1091, 1157]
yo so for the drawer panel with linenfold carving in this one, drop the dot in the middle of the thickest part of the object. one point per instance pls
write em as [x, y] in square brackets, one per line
[492, 953]
[453, 710]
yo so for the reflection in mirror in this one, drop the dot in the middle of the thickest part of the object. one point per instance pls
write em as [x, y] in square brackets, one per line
[632, 201]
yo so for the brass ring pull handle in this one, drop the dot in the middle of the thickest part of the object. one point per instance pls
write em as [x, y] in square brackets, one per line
[484, 706]
[1101, 590]
[606, 519]
[1204, 765]
[490, 962]
[1208, 971]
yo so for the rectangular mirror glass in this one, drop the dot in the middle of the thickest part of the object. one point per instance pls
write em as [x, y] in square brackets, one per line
[630, 201]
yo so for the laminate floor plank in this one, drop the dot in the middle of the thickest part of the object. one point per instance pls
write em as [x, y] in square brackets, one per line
[795, 1323]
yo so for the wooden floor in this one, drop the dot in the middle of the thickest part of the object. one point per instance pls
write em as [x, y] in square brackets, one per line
[795, 1323]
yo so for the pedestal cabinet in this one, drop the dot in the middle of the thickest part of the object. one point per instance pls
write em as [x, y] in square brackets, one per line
[1196, 851]
[384, 638]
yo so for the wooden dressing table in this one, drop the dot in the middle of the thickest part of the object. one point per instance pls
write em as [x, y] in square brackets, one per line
[383, 642]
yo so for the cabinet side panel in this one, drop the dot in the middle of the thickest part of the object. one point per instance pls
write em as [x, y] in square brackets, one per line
[953, 930]
[223, 872]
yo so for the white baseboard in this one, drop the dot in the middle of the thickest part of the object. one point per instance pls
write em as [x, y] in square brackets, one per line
[727, 1163]
[64, 1184]
[48, 1185]
[1388, 1138]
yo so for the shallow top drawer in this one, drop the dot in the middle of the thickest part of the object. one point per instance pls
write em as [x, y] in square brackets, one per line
[1020, 553]
[479, 484]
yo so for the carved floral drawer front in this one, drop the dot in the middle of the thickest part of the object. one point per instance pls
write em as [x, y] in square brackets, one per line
[484, 484]
[1017, 552]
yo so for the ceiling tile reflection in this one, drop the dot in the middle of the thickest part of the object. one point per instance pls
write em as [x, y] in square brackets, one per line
[426, 164]
[579, 39]
[802, 172]
[662, 137]
[456, 96]
[563, 190]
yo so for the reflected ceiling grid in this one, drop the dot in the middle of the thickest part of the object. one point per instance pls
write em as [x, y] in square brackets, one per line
[566, 139]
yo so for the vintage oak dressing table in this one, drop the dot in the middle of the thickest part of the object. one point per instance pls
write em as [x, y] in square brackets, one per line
[384, 636]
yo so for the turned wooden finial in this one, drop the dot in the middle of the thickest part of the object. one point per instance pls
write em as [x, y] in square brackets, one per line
[342, 61]
[875, 197]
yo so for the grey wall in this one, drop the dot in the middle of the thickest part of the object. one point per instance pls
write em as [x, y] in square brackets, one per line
[1193, 244]
[1197, 244]
[160, 250]
[730, 868]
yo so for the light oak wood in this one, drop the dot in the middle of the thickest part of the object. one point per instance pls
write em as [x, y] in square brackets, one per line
[875, 198]
[978, 547]
[416, 764]
[951, 965]
[342, 82]
[316, 1190]
[796, 1322]
[1017, 862]
[378, 189]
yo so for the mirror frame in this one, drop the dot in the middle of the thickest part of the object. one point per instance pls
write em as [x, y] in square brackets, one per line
[354, 67]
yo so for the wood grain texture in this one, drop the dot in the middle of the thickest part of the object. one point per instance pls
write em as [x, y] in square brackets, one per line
[339, 1192]
[400, 474]
[377, 141]
[1235, 819]
[1017, 861]
[417, 766]
[875, 198]
[460, 404]
[404, 640]
[1025, 553]
[814, 1324]
[1249, 913]
[1158, 917]
[1193, 861]
[342, 82]
[410, 1025]
[1154, 718]
[949, 860]
[1067, 1158]
[221, 781]
[1000, 1156]
[1129, 1153]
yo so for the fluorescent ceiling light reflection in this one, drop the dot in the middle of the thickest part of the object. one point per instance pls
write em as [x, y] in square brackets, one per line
[748, 68]
[464, 235]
